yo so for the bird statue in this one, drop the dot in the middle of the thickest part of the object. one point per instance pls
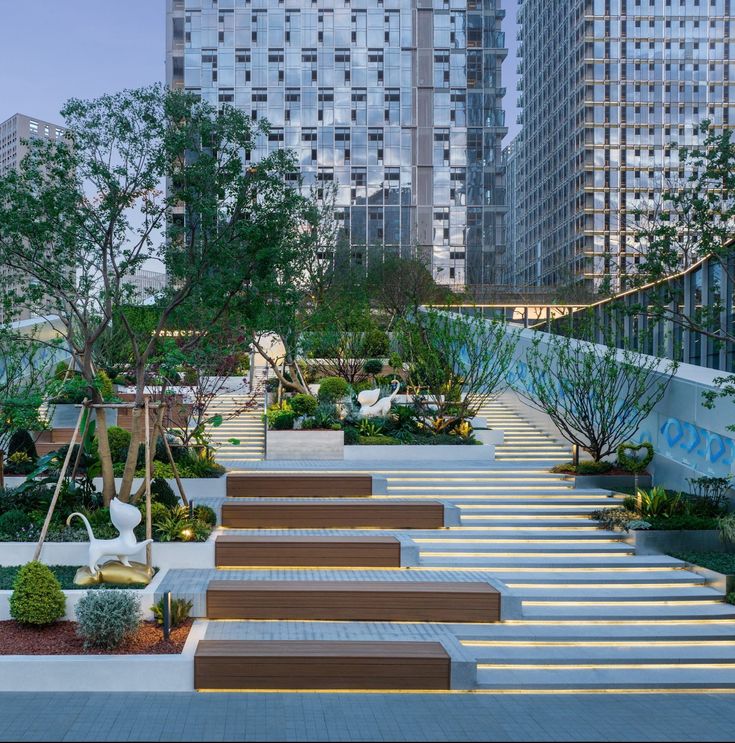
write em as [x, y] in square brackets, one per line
[374, 406]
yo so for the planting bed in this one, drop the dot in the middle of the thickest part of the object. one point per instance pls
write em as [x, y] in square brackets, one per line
[61, 639]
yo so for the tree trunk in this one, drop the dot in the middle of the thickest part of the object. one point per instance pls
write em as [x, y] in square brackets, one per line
[103, 447]
[136, 437]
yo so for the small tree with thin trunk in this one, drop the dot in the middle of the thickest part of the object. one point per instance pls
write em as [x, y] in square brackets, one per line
[597, 396]
[456, 362]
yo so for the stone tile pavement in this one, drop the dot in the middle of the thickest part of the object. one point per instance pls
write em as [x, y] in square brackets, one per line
[366, 717]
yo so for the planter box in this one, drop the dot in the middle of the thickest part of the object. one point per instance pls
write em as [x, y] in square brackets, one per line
[304, 445]
[650, 542]
[719, 581]
[418, 453]
[86, 673]
[492, 436]
[65, 416]
[610, 482]
[165, 554]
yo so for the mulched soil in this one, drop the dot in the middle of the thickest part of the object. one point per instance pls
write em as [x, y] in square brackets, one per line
[61, 639]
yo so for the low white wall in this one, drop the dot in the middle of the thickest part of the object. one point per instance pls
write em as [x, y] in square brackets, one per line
[109, 673]
[305, 445]
[379, 454]
[73, 596]
[165, 554]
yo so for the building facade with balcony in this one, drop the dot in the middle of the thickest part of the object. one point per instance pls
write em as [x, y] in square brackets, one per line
[608, 86]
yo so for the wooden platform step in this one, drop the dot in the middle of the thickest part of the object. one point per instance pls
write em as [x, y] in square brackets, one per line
[239, 551]
[301, 664]
[398, 601]
[297, 485]
[367, 514]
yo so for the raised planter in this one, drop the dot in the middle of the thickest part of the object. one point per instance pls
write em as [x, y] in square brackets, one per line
[610, 482]
[492, 436]
[86, 673]
[311, 444]
[418, 453]
[65, 415]
[654, 542]
[719, 581]
[165, 554]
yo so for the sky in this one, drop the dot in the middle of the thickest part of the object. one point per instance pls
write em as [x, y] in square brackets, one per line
[53, 50]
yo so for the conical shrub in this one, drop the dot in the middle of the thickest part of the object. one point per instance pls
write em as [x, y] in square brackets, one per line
[37, 597]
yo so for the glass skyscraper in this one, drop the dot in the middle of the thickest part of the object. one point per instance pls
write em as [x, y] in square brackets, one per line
[607, 87]
[397, 102]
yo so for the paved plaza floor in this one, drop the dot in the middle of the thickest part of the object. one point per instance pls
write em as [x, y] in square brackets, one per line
[366, 717]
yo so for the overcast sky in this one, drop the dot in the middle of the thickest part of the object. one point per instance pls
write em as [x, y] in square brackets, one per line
[52, 50]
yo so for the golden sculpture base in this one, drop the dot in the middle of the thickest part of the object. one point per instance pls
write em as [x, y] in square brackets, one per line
[116, 573]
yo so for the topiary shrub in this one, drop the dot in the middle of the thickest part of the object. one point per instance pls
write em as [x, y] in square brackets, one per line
[37, 597]
[373, 366]
[332, 389]
[180, 609]
[22, 441]
[628, 459]
[162, 492]
[11, 522]
[302, 404]
[119, 440]
[106, 618]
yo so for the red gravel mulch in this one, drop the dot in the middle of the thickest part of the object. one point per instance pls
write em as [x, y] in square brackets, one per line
[61, 639]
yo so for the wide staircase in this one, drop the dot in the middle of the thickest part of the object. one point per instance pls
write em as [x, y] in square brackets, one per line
[241, 436]
[312, 588]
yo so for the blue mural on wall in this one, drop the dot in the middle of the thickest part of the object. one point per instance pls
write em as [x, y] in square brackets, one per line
[695, 446]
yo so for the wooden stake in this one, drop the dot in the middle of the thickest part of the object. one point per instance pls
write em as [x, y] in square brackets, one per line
[148, 521]
[57, 490]
[174, 469]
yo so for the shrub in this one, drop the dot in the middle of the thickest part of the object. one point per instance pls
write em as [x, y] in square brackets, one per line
[683, 521]
[375, 343]
[37, 597]
[169, 529]
[19, 463]
[302, 404]
[585, 467]
[180, 609]
[162, 492]
[106, 618]
[22, 441]
[105, 385]
[378, 440]
[631, 462]
[119, 440]
[332, 389]
[373, 366]
[351, 436]
[611, 518]
[206, 515]
[11, 522]
[283, 420]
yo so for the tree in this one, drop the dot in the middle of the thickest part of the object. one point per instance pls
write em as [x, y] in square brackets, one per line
[457, 362]
[83, 215]
[597, 396]
[399, 286]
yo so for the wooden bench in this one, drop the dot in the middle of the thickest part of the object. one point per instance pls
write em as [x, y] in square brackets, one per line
[237, 551]
[305, 664]
[398, 601]
[297, 485]
[350, 515]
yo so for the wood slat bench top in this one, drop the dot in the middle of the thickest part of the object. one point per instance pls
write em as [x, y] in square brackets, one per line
[307, 664]
[348, 514]
[352, 586]
[298, 484]
[236, 539]
[319, 649]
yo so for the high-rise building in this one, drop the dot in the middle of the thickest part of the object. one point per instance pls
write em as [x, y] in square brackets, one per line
[510, 168]
[15, 134]
[397, 102]
[607, 87]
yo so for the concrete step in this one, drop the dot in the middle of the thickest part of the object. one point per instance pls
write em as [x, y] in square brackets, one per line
[629, 611]
[534, 562]
[558, 595]
[520, 535]
[637, 677]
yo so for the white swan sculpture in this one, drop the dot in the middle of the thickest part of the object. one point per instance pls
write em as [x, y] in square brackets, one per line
[374, 406]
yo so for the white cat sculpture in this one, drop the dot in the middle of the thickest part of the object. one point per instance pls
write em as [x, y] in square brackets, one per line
[124, 518]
